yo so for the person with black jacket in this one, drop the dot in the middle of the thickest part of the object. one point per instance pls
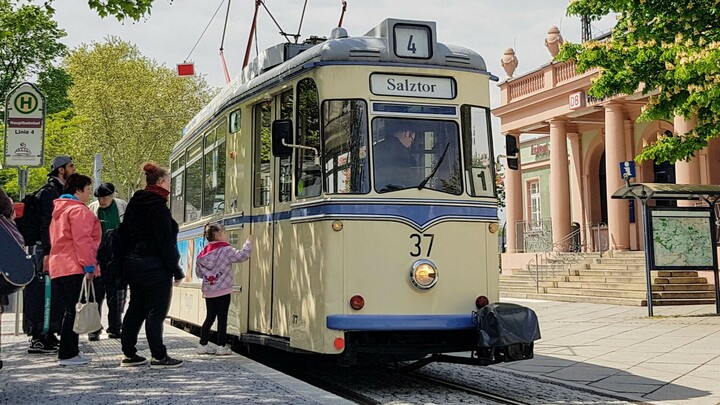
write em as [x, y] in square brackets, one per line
[61, 168]
[395, 165]
[151, 260]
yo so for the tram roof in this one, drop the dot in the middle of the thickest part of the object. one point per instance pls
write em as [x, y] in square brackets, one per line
[372, 49]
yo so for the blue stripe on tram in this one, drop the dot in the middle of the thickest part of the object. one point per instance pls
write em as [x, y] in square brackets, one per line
[399, 322]
[420, 215]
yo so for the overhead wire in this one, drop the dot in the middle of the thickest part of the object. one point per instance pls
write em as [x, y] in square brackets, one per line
[283, 33]
[205, 30]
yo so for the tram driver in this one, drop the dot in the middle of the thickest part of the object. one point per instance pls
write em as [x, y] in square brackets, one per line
[395, 165]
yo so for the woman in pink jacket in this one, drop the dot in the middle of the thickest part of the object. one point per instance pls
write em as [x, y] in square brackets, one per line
[74, 239]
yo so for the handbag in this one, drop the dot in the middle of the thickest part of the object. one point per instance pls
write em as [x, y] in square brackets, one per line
[87, 315]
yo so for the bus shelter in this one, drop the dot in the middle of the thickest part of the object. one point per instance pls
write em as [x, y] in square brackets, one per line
[677, 238]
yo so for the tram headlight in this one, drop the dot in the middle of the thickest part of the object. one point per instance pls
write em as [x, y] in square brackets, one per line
[423, 274]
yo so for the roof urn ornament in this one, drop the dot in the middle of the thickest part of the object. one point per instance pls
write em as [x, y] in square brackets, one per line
[553, 41]
[509, 62]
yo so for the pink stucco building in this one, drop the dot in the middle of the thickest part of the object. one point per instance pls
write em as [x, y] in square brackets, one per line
[571, 148]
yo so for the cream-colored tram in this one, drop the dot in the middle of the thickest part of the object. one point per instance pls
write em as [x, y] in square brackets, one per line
[357, 255]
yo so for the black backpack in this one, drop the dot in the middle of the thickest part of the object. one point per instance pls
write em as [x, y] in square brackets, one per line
[30, 224]
[110, 256]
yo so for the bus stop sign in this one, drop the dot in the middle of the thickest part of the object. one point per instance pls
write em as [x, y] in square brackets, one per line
[24, 127]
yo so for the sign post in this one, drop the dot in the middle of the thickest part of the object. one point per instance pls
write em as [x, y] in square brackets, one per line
[24, 142]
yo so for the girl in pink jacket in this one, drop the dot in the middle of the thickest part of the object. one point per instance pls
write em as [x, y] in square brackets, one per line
[74, 239]
[214, 267]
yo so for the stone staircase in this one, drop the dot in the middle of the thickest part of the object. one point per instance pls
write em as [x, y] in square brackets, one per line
[613, 278]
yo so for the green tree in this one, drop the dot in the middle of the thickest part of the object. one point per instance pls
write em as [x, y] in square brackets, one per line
[29, 42]
[55, 82]
[671, 50]
[129, 108]
[120, 9]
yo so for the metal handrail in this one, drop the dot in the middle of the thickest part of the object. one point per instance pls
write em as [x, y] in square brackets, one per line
[565, 253]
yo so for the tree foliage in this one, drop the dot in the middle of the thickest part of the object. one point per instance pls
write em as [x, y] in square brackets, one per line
[55, 82]
[29, 42]
[129, 108]
[670, 49]
[120, 9]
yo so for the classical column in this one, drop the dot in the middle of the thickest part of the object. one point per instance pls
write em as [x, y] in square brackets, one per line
[686, 172]
[618, 222]
[576, 160]
[513, 204]
[559, 184]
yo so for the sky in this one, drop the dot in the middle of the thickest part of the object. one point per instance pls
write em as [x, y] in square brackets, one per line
[170, 32]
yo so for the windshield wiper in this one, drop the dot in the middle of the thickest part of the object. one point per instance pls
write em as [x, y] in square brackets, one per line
[435, 169]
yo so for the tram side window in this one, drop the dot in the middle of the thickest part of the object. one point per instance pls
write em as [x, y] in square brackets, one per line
[194, 182]
[285, 173]
[235, 119]
[177, 207]
[345, 155]
[307, 172]
[214, 187]
[261, 154]
[479, 167]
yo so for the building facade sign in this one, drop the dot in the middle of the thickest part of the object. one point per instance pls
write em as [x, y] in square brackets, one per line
[576, 100]
[540, 149]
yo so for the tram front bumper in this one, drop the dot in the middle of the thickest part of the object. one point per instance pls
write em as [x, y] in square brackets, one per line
[506, 332]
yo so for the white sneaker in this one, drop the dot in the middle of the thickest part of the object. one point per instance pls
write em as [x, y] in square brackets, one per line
[78, 360]
[223, 351]
[205, 349]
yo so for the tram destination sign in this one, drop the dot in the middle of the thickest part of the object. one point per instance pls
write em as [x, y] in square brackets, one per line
[24, 127]
[412, 86]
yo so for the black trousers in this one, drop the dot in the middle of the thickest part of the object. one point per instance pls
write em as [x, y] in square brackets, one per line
[216, 307]
[69, 287]
[149, 303]
[115, 303]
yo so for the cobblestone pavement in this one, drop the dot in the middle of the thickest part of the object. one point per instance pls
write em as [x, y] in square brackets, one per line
[37, 379]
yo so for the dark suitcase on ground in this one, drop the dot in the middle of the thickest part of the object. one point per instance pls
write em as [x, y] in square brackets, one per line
[16, 267]
[34, 306]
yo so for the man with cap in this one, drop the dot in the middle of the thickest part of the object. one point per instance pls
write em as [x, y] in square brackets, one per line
[61, 167]
[110, 211]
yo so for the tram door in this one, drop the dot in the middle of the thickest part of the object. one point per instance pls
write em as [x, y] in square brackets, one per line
[272, 189]
[283, 244]
[261, 264]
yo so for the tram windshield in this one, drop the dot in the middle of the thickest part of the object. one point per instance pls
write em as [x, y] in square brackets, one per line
[413, 153]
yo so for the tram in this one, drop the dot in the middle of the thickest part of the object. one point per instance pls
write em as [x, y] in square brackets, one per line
[355, 256]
